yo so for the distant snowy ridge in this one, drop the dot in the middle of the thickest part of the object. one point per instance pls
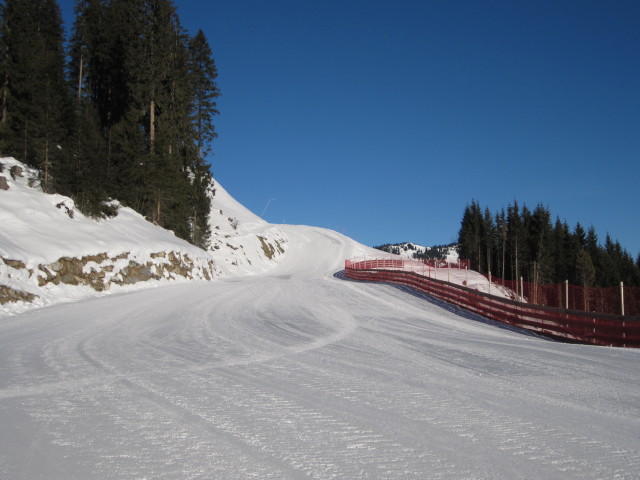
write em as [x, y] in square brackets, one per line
[51, 252]
[411, 250]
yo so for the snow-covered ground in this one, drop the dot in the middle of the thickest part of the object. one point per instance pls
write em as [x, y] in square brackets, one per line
[294, 372]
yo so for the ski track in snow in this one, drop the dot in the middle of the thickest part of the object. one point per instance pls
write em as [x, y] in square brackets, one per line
[298, 374]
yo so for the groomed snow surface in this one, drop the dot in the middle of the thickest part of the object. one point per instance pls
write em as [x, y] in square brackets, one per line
[296, 373]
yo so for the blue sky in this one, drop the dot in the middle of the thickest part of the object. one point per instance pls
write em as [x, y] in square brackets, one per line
[383, 120]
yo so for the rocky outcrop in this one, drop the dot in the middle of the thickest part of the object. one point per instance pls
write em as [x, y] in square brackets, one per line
[8, 294]
[270, 249]
[100, 271]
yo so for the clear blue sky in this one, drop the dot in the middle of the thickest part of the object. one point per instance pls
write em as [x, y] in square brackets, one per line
[383, 120]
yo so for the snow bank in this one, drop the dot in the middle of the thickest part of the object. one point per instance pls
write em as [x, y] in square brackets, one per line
[51, 252]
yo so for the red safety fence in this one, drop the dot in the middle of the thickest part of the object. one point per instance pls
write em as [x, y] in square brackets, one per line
[620, 300]
[566, 324]
[401, 264]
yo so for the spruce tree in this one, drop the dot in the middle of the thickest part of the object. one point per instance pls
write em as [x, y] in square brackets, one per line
[488, 238]
[514, 232]
[470, 235]
[37, 101]
[540, 247]
[501, 236]
[4, 83]
[203, 73]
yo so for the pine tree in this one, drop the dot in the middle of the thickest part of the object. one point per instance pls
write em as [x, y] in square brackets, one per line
[203, 73]
[501, 234]
[470, 235]
[540, 245]
[488, 238]
[580, 235]
[561, 240]
[4, 82]
[37, 101]
[514, 232]
[585, 269]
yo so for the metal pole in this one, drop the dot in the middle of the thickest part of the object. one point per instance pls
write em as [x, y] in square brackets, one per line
[622, 297]
[566, 294]
[521, 289]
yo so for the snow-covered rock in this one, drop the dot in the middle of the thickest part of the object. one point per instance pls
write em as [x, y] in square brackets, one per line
[242, 242]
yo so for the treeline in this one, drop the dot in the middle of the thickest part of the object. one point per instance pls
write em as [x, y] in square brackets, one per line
[126, 112]
[519, 242]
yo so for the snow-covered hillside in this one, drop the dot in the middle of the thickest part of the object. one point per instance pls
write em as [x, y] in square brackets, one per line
[242, 242]
[51, 252]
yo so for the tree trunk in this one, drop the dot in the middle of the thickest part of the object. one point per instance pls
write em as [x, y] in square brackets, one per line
[5, 89]
[158, 203]
[503, 256]
[80, 78]
[152, 126]
[46, 165]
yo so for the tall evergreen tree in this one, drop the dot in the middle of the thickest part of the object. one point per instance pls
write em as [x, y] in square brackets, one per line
[4, 81]
[203, 73]
[501, 237]
[515, 235]
[37, 100]
[488, 238]
[470, 235]
[540, 247]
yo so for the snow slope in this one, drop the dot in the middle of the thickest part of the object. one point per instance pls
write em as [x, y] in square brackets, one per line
[40, 229]
[242, 243]
[37, 228]
[296, 373]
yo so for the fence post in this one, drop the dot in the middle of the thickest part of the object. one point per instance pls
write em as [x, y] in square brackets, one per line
[521, 289]
[566, 294]
[624, 330]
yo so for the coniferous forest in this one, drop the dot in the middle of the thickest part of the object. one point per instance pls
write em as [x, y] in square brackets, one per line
[519, 242]
[121, 109]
